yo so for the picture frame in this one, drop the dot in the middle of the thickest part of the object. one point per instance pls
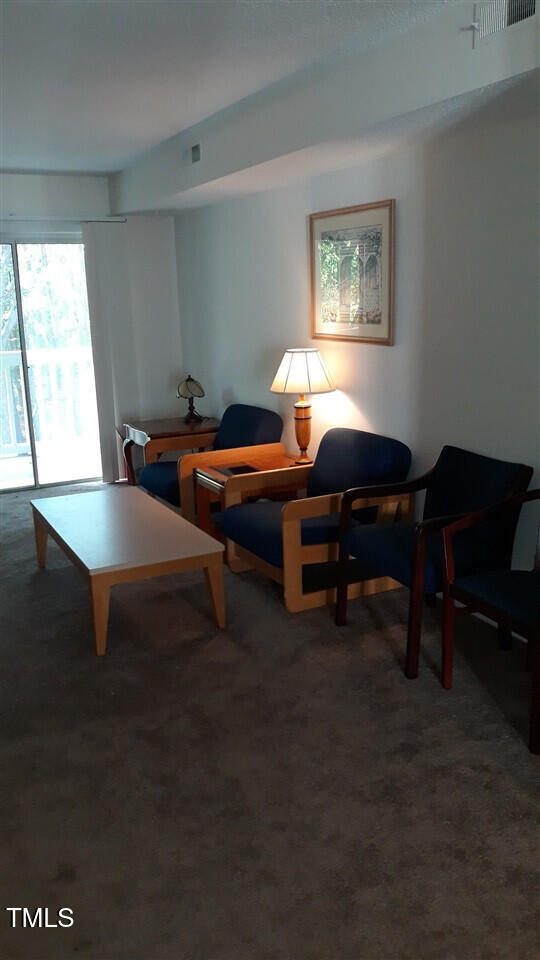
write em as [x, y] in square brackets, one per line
[352, 273]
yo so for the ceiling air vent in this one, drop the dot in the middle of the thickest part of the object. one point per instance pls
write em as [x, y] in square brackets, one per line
[491, 16]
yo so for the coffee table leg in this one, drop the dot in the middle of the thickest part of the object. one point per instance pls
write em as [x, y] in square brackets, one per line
[40, 531]
[100, 591]
[214, 579]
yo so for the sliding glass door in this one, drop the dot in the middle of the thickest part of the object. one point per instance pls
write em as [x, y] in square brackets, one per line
[49, 413]
[16, 466]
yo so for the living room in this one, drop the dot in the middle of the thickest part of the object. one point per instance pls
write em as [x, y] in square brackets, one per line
[278, 788]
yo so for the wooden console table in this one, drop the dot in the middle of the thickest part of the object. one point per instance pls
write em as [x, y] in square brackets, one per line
[158, 436]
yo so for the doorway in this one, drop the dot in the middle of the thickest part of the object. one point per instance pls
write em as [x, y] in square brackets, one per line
[48, 411]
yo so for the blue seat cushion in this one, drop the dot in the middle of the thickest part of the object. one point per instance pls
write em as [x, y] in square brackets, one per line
[161, 479]
[257, 528]
[387, 550]
[515, 593]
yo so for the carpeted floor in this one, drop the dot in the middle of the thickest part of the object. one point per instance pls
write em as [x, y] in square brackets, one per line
[278, 791]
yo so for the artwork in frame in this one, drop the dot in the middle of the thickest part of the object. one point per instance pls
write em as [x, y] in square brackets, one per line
[352, 273]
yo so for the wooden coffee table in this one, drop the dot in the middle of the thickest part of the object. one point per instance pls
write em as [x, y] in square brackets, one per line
[121, 534]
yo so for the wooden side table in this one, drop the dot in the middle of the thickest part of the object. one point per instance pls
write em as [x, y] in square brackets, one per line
[210, 482]
[158, 436]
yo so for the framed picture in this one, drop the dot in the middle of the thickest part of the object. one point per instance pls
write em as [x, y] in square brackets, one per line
[352, 273]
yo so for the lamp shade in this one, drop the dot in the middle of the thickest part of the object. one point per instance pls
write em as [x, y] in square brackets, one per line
[302, 371]
[189, 388]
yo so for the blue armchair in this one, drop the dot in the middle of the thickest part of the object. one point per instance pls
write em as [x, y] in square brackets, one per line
[241, 426]
[295, 543]
[412, 553]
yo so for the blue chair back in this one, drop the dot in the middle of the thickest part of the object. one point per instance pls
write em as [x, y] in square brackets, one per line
[245, 426]
[353, 458]
[465, 481]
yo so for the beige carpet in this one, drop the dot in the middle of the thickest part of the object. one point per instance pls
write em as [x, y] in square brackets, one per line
[276, 792]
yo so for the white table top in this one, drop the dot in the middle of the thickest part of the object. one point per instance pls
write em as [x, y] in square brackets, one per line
[122, 527]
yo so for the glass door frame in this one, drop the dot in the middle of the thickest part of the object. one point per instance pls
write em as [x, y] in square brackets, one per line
[13, 242]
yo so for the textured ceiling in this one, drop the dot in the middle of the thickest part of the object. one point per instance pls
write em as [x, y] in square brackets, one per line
[88, 85]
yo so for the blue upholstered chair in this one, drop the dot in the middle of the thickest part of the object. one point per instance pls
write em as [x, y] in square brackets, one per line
[295, 543]
[412, 553]
[241, 426]
[510, 597]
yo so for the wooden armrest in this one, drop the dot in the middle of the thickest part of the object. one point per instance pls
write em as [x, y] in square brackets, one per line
[437, 523]
[214, 458]
[331, 503]
[387, 504]
[350, 497]
[469, 520]
[293, 477]
[312, 507]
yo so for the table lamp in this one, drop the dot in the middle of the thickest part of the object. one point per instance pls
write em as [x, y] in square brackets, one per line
[187, 390]
[302, 371]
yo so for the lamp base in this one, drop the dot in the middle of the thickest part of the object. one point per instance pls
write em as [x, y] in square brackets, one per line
[192, 416]
[302, 427]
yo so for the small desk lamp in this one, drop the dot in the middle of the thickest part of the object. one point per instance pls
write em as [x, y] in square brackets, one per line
[302, 371]
[187, 390]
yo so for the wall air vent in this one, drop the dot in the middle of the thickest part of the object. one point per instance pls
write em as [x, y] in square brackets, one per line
[491, 16]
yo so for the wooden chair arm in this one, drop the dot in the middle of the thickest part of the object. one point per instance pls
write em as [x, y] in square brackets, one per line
[479, 516]
[437, 523]
[295, 478]
[312, 507]
[387, 504]
[350, 497]
[471, 519]
[331, 503]
[214, 458]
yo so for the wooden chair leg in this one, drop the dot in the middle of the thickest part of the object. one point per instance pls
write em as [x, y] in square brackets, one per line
[504, 635]
[416, 603]
[341, 595]
[449, 616]
[534, 729]
[412, 657]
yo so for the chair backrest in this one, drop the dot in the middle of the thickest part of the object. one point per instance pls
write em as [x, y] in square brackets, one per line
[246, 426]
[463, 482]
[353, 458]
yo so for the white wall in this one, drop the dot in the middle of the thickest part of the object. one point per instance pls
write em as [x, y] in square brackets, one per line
[25, 196]
[464, 368]
[133, 301]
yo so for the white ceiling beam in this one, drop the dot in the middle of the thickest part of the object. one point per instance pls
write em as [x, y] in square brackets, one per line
[330, 102]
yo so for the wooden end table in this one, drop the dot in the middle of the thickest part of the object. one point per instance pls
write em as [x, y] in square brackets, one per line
[210, 483]
[158, 436]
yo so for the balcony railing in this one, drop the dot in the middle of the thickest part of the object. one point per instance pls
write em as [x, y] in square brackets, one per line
[63, 397]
